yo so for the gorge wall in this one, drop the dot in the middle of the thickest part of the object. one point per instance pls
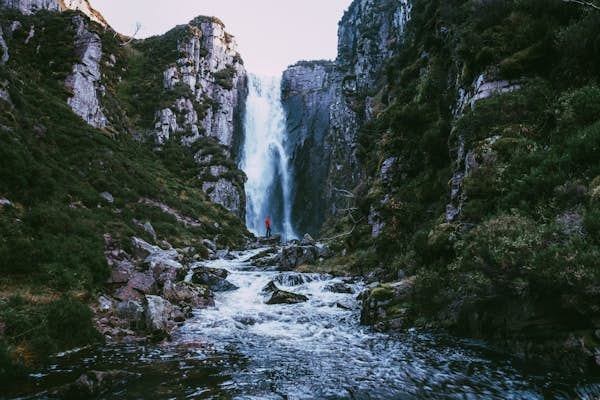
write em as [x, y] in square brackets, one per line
[326, 104]
[449, 145]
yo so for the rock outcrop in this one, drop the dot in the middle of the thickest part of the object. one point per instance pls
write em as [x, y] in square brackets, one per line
[85, 80]
[31, 6]
[326, 103]
[208, 81]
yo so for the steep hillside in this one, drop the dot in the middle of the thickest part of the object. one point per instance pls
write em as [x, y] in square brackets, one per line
[88, 161]
[478, 143]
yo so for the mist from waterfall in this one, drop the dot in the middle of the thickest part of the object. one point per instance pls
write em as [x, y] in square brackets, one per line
[264, 159]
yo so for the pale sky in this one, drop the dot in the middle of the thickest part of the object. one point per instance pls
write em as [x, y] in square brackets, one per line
[271, 34]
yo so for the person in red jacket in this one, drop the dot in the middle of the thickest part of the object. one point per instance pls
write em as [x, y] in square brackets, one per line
[268, 225]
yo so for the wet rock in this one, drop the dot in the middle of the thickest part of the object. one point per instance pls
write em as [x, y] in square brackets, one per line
[270, 287]
[204, 276]
[307, 239]
[246, 320]
[220, 272]
[294, 255]
[95, 383]
[159, 314]
[338, 287]
[291, 279]
[188, 293]
[283, 297]
[323, 251]
[272, 241]
[343, 306]
[387, 306]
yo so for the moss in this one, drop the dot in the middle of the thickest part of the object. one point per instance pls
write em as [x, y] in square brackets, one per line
[382, 293]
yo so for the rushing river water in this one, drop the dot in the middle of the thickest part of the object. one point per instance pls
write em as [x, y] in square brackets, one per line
[246, 349]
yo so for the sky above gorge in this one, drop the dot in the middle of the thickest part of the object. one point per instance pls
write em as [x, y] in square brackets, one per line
[271, 34]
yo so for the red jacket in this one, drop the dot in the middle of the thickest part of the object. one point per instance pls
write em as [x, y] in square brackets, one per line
[268, 222]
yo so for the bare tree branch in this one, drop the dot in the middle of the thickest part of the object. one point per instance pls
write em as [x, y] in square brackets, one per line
[584, 3]
[138, 27]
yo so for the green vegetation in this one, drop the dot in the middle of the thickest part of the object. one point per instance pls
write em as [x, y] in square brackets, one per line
[521, 260]
[53, 168]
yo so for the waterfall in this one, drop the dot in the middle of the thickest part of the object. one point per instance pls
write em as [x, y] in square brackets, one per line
[264, 159]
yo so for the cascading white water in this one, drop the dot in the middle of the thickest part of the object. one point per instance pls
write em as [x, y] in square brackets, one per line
[264, 159]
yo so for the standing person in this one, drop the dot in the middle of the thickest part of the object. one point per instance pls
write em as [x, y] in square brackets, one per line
[268, 225]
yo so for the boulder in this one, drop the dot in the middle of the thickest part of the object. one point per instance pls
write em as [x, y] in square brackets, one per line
[188, 294]
[270, 287]
[127, 293]
[307, 239]
[295, 255]
[150, 229]
[387, 305]
[142, 249]
[209, 244]
[279, 296]
[121, 271]
[204, 276]
[338, 287]
[220, 272]
[292, 279]
[143, 282]
[283, 297]
[108, 197]
[272, 241]
[159, 314]
[131, 311]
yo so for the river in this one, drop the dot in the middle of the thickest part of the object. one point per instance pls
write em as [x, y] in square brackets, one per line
[245, 349]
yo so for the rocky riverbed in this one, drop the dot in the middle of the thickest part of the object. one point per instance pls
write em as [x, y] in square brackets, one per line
[237, 343]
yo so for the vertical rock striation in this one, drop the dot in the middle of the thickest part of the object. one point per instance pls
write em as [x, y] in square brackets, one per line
[208, 81]
[85, 80]
[327, 102]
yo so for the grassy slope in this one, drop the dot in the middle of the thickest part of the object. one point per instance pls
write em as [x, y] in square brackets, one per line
[53, 168]
[514, 266]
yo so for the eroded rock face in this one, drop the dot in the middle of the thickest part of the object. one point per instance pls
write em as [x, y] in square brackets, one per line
[4, 47]
[159, 315]
[327, 103]
[212, 78]
[85, 80]
[28, 7]
[225, 193]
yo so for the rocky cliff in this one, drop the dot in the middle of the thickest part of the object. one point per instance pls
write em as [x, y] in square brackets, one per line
[471, 185]
[198, 94]
[326, 104]
[84, 168]
[208, 85]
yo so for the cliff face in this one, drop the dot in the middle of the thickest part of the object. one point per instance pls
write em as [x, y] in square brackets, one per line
[474, 189]
[197, 94]
[84, 179]
[208, 84]
[326, 104]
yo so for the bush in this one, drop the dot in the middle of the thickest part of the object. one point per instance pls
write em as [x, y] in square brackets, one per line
[579, 108]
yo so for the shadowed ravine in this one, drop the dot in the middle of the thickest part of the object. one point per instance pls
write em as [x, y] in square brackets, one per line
[246, 349]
